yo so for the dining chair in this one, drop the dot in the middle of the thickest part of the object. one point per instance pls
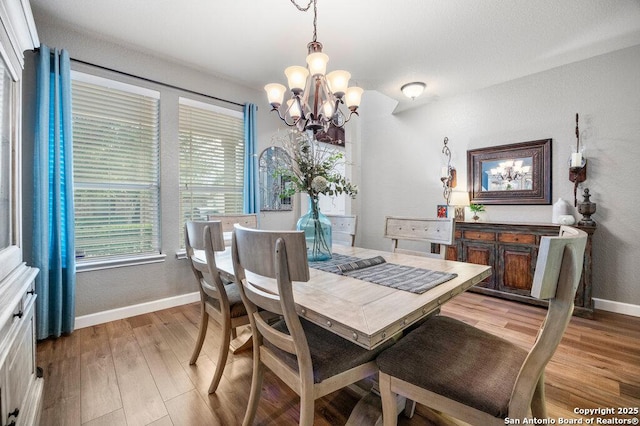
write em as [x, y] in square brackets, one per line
[343, 229]
[311, 360]
[228, 220]
[433, 232]
[218, 300]
[478, 377]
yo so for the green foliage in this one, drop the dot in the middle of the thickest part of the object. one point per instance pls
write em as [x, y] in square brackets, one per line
[476, 208]
[312, 168]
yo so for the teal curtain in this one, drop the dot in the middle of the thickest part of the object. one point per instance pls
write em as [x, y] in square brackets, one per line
[251, 201]
[53, 215]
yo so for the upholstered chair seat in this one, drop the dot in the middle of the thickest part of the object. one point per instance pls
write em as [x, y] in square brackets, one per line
[330, 353]
[236, 306]
[465, 363]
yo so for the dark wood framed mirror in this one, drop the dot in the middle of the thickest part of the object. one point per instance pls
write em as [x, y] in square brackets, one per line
[518, 173]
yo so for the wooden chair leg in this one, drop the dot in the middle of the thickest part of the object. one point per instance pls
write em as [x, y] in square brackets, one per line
[256, 387]
[223, 353]
[307, 405]
[202, 333]
[389, 400]
[538, 404]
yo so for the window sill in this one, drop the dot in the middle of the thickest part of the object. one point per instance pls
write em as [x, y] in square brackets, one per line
[98, 264]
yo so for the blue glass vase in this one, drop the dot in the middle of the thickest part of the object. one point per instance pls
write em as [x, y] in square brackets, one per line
[317, 232]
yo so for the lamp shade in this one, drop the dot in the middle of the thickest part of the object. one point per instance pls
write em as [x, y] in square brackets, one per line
[338, 82]
[354, 95]
[413, 90]
[275, 93]
[294, 109]
[296, 78]
[317, 63]
[460, 198]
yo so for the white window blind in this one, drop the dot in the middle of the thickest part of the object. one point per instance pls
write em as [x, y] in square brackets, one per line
[211, 161]
[116, 168]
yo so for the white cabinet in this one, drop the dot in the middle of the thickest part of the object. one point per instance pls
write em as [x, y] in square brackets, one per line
[21, 382]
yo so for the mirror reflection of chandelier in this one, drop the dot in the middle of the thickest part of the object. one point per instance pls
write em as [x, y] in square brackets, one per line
[511, 174]
[315, 97]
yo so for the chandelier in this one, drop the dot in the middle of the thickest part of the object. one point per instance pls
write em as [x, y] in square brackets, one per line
[510, 170]
[315, 97]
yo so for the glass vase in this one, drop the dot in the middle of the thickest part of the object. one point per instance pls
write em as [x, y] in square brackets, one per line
[317, 232]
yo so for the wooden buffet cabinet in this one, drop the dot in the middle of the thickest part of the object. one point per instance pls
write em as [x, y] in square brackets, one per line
[512, 250]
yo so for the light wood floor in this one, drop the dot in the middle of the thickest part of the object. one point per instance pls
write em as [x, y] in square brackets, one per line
[136, 371]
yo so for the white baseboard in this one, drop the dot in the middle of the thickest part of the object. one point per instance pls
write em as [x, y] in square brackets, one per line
[133, 310]
[617, 307]
[170, 302]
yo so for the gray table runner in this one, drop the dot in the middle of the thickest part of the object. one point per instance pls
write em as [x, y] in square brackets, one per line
[378, 271]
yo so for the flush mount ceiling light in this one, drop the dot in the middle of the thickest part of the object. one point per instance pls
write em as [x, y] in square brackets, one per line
[414, 89]
[315, 97]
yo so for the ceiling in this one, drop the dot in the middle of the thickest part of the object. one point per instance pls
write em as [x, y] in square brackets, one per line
[454, 46]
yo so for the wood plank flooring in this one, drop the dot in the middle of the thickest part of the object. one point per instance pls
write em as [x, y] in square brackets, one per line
[136, 371]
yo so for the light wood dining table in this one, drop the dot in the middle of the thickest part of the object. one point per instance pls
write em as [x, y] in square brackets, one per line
[366, 313]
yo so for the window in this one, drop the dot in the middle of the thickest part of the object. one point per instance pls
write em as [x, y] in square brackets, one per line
[211, 161]
[116, 168]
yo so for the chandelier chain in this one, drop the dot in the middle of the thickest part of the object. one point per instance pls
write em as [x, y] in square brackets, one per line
[315, 15]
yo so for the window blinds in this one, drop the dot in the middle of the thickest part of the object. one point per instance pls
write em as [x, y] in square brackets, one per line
[211, 161]
[116, 168]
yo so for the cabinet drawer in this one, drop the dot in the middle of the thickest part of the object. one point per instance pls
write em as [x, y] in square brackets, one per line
[511, 237]
[479, 235]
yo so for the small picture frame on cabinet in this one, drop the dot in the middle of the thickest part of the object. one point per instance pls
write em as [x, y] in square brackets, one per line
[442, 211]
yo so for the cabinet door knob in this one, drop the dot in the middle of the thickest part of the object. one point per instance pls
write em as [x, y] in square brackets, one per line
[19, 314]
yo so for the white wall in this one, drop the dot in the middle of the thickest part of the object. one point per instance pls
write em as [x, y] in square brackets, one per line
[401, 154]
[109, 289]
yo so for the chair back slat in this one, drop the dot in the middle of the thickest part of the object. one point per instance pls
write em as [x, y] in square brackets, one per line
[423, 230]
[343, 228]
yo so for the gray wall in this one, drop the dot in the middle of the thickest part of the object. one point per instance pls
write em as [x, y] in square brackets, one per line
[401, 154]
[114, 288]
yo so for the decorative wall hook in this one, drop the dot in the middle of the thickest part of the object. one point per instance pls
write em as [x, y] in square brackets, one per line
[448, 175]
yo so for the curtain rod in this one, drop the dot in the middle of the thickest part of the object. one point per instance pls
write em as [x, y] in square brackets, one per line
[149, 80]
[37, 49]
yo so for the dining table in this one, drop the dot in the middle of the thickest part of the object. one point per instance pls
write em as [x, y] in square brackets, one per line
[367, 313]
